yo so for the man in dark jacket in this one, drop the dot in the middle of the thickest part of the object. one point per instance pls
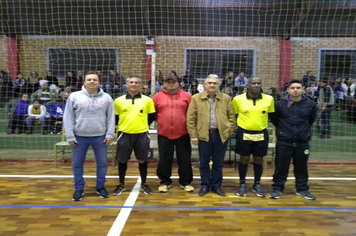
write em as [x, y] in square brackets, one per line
[293, 118]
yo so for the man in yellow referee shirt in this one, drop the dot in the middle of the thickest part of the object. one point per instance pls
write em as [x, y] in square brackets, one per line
[252, 109]
[134, 113]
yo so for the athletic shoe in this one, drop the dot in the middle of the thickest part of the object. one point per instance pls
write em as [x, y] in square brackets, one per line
[187, 188]
[102, 192]
[258, 190]
[305, 194]
[163, 188]
[241, 191]
[119, 189]
[144, 188]
[275, 194]
[78, 195]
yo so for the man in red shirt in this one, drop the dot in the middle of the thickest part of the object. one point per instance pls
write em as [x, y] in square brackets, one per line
[171, 106]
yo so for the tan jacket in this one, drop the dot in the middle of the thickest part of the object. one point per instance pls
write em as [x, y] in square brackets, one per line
[198, 116]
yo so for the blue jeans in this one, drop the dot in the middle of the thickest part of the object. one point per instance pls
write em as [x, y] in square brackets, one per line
[79, 155]
[214, 149]
[324, 122]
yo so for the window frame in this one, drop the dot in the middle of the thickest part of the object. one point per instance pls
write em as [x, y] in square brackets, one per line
[59, 77]
[222, 73]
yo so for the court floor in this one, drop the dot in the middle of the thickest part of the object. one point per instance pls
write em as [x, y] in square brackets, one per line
[35, 199]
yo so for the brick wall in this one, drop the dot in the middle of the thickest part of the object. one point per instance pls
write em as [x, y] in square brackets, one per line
[3, 53]
[305, 53]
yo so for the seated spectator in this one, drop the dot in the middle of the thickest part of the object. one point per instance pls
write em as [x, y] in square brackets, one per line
[71, 81]
[100, 76]
[114, 81]
[228, 81]
[65, 93]
[274, 93]
[157, 86]
[240, 81]
[52, 80]
[228, 91]
[312, 94]
[193, 88]
[146, 90]
[45, 95]
[349, 90]
[187, 80]
[6, 86]
[33, 82]
[56, 117]
[19, 85]
[308, 79]
[159, 77]
[37, 113]
[351, 111]
[17, 123]
[80, 79]
[338, 93]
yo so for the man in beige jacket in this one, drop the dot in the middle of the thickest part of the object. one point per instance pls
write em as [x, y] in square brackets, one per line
[210, 122]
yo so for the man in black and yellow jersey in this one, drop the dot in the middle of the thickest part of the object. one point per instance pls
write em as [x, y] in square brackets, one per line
[134, 113]
[252, 109]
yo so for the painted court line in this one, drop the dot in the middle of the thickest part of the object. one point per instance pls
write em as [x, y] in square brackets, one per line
[173, 177]
[123, 217]
[125, 211]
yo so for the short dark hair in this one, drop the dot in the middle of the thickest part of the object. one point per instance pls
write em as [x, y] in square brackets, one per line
[294, 81]
[324, 80]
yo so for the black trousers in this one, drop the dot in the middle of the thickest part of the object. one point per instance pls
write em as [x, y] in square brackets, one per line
[284, 154]
[183, 152]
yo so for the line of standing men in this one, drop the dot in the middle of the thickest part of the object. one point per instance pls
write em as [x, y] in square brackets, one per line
[207, 119]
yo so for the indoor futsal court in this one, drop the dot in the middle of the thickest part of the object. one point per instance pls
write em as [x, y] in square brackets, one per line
[59, 42]
[36, 199]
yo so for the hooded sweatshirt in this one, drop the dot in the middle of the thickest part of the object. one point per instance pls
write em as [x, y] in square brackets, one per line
[89, 115]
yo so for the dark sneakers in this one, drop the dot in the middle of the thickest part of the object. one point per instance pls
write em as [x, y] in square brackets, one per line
[78, 195]
[258, 190]
[305, 194]
[275, 194]
[119, 189]
[145, 189]
[241, 191]
[102, 192]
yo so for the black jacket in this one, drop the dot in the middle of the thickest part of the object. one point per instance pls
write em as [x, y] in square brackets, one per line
[293, 120]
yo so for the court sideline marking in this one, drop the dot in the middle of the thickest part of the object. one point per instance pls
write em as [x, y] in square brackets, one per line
[173, 177]
[124, 214]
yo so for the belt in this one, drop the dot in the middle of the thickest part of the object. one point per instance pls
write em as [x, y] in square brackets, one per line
[213, 130]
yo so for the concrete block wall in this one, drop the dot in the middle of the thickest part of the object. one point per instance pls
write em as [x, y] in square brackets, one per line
[3, 53]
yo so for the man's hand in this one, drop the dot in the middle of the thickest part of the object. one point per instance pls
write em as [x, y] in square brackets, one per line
[107, 141]
[195, 141]
[72, 143]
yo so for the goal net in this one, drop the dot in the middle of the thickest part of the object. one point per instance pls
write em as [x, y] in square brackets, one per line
[275, 40]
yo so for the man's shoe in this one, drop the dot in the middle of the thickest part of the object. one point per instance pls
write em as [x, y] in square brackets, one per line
[102, 192]
[145, 189]
[258, 190]
[219, 192]
[44, 132]
[119, 189]
[275, 194]
[305, 194]
[187, 188]
[10, 131]
[241, 191]
[78, 195]
[163, 188]
[17, 131]
[204, 190]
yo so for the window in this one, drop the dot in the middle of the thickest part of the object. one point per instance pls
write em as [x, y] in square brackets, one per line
[59, 60]
[202, 62]
[337, 63]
